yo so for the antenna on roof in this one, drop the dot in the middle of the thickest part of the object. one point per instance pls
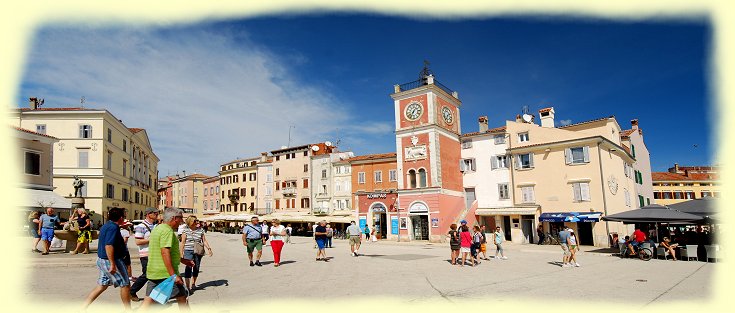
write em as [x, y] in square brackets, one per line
[525, 109]
[82, 100]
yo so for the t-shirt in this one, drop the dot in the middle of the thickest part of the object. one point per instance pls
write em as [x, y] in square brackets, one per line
[252, 231]
[142, 232]
[572, 240]
[330, 232]
[49, 221]
[82, 222]
[320, 229]
[367, 230]
[192, 236]
[353, 230]
[563, 237]
[277, 230]
[289, 230]
[498, 237]
[264, 228]
[125, 233]
[465, 239]
[639, 235]
[477, 238]
[181, 229]
[110, 235]
[162, 237]
[453, 238]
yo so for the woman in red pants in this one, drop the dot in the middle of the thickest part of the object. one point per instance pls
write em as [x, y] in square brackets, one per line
[277, 234]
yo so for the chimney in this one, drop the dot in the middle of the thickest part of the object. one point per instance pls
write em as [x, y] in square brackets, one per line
[263, 156]
[634, 123]
[547, 117]
[518, 118]
[33, 103]
[676, 167]
[483, 123]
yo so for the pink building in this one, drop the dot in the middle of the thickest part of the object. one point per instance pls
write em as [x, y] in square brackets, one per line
[211, 197]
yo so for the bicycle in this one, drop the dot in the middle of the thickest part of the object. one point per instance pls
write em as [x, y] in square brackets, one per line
[644, 252]
[550, 239]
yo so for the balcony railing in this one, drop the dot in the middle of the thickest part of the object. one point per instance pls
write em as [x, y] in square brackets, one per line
[425, 81]
[289, 191]
[320, 211]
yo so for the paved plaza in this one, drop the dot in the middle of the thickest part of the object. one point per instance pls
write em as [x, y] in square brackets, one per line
[411, 272]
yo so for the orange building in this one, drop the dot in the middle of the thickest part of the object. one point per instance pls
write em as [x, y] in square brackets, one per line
[430, 187]
[374, 184]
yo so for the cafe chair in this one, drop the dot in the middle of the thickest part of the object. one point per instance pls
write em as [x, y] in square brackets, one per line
[711, 252]
[691, 252]
[662, 252]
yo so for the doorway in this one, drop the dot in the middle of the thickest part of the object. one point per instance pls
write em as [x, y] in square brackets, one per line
[585, 234]
[527, 228]
[420, 225]
[469, 195]
[381, 227]
[506, 227]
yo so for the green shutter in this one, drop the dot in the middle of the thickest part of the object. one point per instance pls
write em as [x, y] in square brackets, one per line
[640, 200]
[632, 148]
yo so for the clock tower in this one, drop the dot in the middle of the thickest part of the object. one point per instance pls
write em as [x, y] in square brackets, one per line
[430, 191]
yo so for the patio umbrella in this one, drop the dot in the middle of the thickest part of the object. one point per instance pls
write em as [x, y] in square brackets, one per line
[702, 206]
[653, 213]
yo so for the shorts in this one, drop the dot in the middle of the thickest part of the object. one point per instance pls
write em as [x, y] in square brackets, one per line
[355, 240]
[34, 232]
[255, 244]
[47, 234]
[498, 248]
[464, 249]
[84, 236]
[119, 279]
[177, 291]
[483, 247]
[320, 243]
[565, 248]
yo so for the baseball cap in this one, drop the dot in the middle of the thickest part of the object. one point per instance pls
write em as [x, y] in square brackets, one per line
[570, 230]
[463, 222]
[150, 210]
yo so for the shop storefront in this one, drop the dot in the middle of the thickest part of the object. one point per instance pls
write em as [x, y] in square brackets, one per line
[517, 223]
[374, 211]
[418, 214]
[582, 223]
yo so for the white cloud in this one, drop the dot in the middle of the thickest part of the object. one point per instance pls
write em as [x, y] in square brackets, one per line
[204, 98]
[565, 122]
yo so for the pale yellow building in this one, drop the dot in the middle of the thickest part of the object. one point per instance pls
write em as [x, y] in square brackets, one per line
[188, 193]
[116, 163]
[238, 186]
[683, 183]
[572, 175]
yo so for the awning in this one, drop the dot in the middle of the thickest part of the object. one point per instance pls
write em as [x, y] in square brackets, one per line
[653, 213]
[506, 211]
[35, 198]
[570, 217]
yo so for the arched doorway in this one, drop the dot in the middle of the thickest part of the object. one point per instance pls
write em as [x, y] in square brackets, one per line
[379, 220]
[419, 214]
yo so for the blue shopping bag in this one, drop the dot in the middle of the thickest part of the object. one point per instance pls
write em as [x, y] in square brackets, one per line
[162, 292]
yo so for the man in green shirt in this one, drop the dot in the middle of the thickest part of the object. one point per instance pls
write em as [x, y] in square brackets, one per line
[164, 258]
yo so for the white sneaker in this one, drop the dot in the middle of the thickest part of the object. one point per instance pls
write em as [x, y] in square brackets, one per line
[576, 264]
[504, 258]
[566, 265]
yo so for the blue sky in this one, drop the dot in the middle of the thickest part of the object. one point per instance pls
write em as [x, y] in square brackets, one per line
[216, 90]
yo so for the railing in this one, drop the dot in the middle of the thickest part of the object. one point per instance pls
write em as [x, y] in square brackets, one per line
[424, 81]
[320, 211]
[289, 191]
[263, 211]
[445, 88]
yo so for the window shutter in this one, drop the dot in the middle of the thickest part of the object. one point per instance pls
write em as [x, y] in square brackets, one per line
[473, 164]
[568, 156]
[577, 192]
[81, 131]
[586, 150]
[517, 159]
[462, 167]
[585, 188]
[530, 159]
[531, 196]
[493, 162]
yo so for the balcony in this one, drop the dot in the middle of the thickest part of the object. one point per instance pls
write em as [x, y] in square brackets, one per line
[263, 211]
[289, 191]
[320, 211]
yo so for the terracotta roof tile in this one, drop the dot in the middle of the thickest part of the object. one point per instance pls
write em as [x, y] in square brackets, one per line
[34, 133]
[372, 157]
[666, 176]
[59, 109]
[586, 122]
[544, 110]
[135, 130]
[492, 130]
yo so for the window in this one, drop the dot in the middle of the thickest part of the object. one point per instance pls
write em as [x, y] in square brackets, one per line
[627, 197]
[525, 160]
[338, 186]
[306, 153]
[124, 194]
[125, 168]
[503, 193]
[361, 177]
[640, 201]
[235, 178]
[244, 177]
[32, 163]
[581, 191]
[678, 194]
[348, 186]
[412, 178]
[110, 191]
[422, 177]
[467, 143]
[277, 172]
[323, 190]
[253, 176]
[268, 178]
[205, 191]
[688, 194]
[125, 145]
[306, 183]
[278, 185]
[522, 137]
[252, 191]
[499, 139]
[41, 128]
[324, 173]
[278, 157]
[577, 155]
[109, 135]
[288, 156]
[467, 165]
[632, 150]
[378, 177]
[648, 201]
[392, 175]
[268, 190]
[499, 161]
[527, 193]
[83, 158]
[306, 168]
[293, 155]
[85, 131]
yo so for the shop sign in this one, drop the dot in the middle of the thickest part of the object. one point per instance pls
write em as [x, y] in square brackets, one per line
[394, 225]
[418, 207]
[377, 196]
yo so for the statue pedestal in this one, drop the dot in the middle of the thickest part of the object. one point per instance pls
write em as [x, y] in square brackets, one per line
[77, 203]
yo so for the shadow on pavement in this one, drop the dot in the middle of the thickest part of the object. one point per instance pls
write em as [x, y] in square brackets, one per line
[214, 283]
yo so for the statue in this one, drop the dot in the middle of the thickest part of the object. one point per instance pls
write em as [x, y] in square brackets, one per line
[78, 184]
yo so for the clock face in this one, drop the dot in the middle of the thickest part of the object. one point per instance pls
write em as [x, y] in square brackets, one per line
[447, 115]
[413, 111]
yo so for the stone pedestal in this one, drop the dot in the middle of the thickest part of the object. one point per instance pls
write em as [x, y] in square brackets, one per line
[77, 202]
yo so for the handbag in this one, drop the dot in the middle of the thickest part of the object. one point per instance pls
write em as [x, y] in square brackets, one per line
[199, 248]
